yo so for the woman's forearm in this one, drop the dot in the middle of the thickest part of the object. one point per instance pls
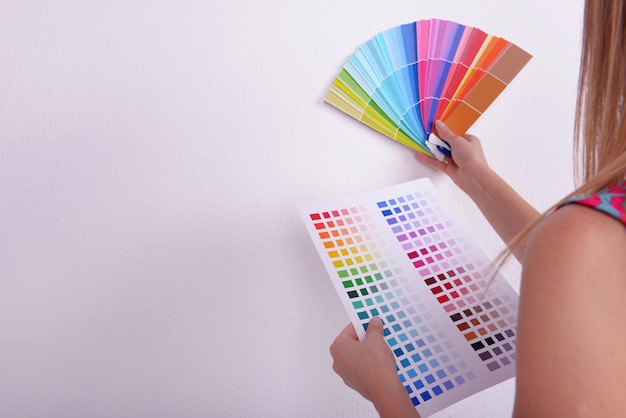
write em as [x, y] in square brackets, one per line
[505, 210]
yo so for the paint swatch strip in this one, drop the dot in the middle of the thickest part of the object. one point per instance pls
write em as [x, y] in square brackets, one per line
[399, 254]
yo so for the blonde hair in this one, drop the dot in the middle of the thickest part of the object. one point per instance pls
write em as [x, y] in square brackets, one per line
[600, 126]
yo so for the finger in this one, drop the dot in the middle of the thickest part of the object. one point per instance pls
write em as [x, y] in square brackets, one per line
[375, 327]
[449, 161]
[347, 336]
[349, 332]
[447, 166]
[431, 162]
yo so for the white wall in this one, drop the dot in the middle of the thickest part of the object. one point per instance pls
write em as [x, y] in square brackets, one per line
[152, 260]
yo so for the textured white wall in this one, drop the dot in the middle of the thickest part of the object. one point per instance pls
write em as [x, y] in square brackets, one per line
[152, 261]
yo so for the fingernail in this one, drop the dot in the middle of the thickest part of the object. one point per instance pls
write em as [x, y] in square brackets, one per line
[376, 321]
[439, 123]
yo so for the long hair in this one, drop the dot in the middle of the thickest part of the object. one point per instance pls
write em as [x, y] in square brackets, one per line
[600, 124]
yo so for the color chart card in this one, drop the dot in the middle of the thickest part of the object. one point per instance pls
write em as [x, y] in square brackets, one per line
[398, 253]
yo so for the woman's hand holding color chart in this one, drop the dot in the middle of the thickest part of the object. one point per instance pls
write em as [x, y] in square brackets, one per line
[377, 381]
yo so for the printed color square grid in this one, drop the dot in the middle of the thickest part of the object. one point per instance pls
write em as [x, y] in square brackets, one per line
[427, 363]
[443, 258]
[398, 253]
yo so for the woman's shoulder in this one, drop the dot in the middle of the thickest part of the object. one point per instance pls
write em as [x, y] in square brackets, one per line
[579, 247]
[579, 230]
[610, 201]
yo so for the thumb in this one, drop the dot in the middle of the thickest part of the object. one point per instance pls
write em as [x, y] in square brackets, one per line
[444, 132]
[375, 327]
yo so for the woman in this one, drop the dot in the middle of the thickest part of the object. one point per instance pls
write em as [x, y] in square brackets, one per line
[571, 347]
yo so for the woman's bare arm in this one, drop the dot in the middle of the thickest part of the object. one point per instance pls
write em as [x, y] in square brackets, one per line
[571, 360]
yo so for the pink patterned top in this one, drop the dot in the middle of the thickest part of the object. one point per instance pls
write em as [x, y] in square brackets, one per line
[610, 200]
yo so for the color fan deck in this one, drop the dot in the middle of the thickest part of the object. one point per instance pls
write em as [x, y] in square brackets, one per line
[404, 79]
